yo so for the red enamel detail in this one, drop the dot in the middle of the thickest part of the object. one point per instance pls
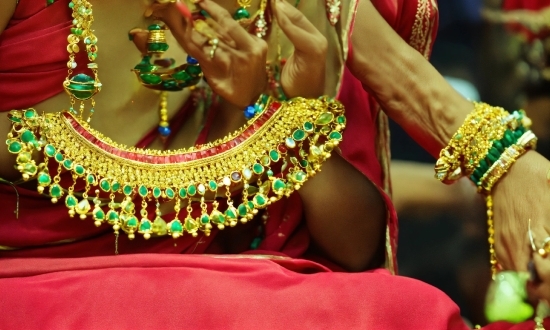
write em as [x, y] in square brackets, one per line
[179, 158]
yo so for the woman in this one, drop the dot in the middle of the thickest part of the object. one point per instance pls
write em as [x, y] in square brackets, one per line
[359, 52]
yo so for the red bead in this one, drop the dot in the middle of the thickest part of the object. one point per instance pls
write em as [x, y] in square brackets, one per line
[282, 148]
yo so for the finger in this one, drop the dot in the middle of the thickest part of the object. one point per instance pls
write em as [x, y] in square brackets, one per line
[299, 30]
[221, 32]
[241, 37]
[139, 37]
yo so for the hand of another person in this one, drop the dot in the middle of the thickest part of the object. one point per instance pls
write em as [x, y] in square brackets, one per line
[522, 194]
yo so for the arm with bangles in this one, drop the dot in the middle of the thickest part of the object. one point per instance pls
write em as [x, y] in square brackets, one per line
[418, 98]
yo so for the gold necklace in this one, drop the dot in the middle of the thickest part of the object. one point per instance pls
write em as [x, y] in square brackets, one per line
[270, 157]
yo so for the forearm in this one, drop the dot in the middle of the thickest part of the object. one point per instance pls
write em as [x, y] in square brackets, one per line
[405, 84]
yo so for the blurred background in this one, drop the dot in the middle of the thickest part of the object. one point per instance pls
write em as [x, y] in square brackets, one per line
[443, 235]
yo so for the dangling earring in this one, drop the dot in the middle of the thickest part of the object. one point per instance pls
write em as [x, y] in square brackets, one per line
[81, 86]
[164, 78]
[261, 24]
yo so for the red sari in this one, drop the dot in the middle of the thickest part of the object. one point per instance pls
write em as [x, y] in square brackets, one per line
[57, 272]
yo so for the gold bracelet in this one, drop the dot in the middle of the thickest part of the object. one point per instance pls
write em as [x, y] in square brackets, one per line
[471, 142]
[527, 141]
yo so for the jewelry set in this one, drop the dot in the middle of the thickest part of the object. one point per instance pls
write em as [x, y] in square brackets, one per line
[227, 181]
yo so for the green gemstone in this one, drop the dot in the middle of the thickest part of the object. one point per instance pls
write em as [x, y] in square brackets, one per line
[182, 76]
[112, 215]
[132, 222]
[269, 173]
[15, 147]
[308, 127]
[494, 152]
[183, 193]
[27, 136]
[24, 157]
[255, 243]
[241, 13]
[14, 119]
[59, 157]
[217, 217]
[341, 120]
[508, 138]
[518, 133]
[169, 192]
[492, 158]
[49, 150]
[250, 205]
[159, 226]
[44, 179]
[299, 135]
[68, 164]
[260, 200]
[115, 186]
[190, 225]
[79, 169]
[265, 161]
[142, 191]
[278, 185]
[127, 190]
[242, 210]
[105, 185]
[498, 145]
[176, 226]
[128, 206]
[304, 163]
[91, 179]
[192, 190]
[157, 192]
[30, 169]
[335, 136]
[154, 27]
[193, 70]
[212, 185]
[231, 213]
[30, 113]
[99, 215]
[205, 219]
[300, 176]
[157, 47]
[81, 86]
[483, 166]
[274, 155]
[171, 85]
[324, 119]
[56, 191]
[258, 168]
[150, 79]
[71, 201]
[145, 226]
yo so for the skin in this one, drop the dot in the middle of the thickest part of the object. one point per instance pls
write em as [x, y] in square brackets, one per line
[353, 241]
[422, 103]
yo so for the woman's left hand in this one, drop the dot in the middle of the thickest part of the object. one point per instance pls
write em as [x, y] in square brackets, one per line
[522, 194]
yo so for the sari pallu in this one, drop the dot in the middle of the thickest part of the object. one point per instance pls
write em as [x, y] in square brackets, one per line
[57, 272]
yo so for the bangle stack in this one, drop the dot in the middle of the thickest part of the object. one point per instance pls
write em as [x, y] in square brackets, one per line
[484, 148]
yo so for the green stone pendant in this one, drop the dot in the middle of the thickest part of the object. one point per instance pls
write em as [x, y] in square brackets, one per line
[241, 13]
[81, 87]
